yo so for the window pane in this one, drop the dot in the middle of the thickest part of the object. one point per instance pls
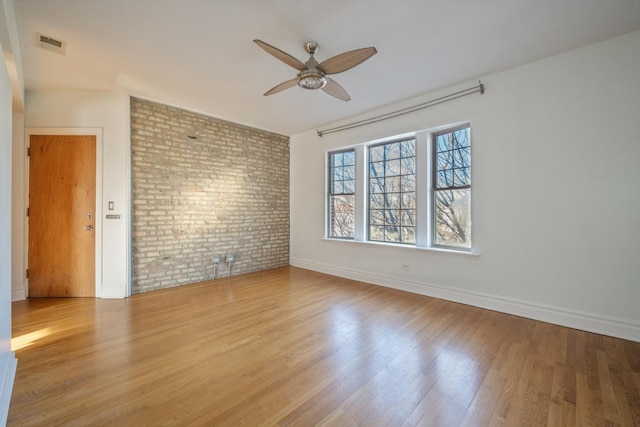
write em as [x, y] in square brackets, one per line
[336, 160]
[376, 154]
[407, 166]
[376, 201]
[341, 209]
[349, 186]
[460, 158]
[337, 187]
[376, 169]
[349, 158]
[408, 183]
[392, 184]
[408, 201]
[453, 159]
[376, 185]
[452, 189]
[443, 159]
[392, 200]
[392, 151]
[391, 217]
[376, 233]
[461, 137]
[392, 188]
[341, 216]
[443, 179]
[443, 142]
[336, 174]
[392, 168]
[376, 217]
[407, 217]
[453, 218]
[461, 177]
[408, 148]
[408, 235]
[392, 234]
[349, 172]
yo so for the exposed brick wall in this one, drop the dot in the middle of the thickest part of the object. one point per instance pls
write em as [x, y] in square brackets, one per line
[225, 192]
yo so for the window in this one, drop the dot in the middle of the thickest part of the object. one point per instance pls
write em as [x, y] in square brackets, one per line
[392, 192]
[412, 190]
[452, 188]
[342, 180]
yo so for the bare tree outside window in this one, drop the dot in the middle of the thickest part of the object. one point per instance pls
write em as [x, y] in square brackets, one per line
[394, 212]
[452, 187]
[392, 192]
[342, 181]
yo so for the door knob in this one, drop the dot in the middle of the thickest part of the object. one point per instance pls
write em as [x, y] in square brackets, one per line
[88, 227]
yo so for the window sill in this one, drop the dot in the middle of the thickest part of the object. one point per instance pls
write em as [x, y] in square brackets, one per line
[440, 251]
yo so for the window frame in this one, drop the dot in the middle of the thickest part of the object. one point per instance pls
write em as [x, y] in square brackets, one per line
[330, 194]
[368, 192]
[425, 169]
[433, 187]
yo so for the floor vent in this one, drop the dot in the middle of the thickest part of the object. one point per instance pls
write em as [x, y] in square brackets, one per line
[51, 44]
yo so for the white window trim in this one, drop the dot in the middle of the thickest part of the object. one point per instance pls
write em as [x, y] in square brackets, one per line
[424, 196]
[327, 191]
[436, 250]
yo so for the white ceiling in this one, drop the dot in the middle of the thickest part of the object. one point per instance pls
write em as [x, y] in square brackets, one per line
[199, 54]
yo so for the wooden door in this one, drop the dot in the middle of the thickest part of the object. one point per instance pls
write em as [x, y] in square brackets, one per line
[62, 197]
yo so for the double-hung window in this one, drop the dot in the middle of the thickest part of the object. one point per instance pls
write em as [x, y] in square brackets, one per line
[451, 183]
[392, 192]
[415, 190]
[342, 182]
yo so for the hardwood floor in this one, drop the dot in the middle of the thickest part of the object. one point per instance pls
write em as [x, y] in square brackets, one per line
[294, 347]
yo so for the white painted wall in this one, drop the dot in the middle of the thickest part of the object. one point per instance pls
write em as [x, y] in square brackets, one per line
[18, 194]
[556, 204]
[7, 357]
[110, 112]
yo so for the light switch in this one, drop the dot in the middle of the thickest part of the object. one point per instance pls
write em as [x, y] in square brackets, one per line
[112, 205]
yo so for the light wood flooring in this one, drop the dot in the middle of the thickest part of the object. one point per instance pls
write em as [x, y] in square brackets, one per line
[298, 348]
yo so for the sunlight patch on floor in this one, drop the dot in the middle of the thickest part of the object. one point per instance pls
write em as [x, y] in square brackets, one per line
[23, 341]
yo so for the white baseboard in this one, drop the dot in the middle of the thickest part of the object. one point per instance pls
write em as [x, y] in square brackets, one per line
[8, 365]
[17, 295]
[112, 293]
[556, 315]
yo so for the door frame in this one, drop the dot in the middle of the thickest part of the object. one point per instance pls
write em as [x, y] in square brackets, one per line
[97, 132]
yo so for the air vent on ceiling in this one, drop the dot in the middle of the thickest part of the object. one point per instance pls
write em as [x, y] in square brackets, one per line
[51, 44]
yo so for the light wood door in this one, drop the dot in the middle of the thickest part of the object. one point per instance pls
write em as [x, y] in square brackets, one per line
[62, 195]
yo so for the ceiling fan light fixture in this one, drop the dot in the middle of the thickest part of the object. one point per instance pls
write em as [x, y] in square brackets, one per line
[313, 75]
[311, 79]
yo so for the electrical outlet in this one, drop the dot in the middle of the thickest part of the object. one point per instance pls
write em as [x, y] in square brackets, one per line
[230, 258]
[406, 267]
[216, 259]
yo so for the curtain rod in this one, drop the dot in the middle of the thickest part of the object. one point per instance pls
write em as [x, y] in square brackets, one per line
[442, 99]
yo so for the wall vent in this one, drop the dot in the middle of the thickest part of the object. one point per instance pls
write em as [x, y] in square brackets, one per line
[51, 44]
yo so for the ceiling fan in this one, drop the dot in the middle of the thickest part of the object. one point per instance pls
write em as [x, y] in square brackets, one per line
[313, 75]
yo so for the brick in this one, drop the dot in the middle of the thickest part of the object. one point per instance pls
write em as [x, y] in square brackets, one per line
[225, 192]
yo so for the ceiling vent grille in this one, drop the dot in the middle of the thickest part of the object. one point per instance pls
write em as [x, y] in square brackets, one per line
[51, 44]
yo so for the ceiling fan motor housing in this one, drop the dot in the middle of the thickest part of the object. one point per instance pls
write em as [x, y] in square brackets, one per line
[311, 79]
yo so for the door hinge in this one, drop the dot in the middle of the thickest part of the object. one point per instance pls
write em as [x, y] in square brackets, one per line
[28, 151]
[27, 212]
[27, 274]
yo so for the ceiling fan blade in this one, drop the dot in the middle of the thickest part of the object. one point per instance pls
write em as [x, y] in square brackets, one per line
[281, 55]
[282, 86]
[347, 60]
[334, 89]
